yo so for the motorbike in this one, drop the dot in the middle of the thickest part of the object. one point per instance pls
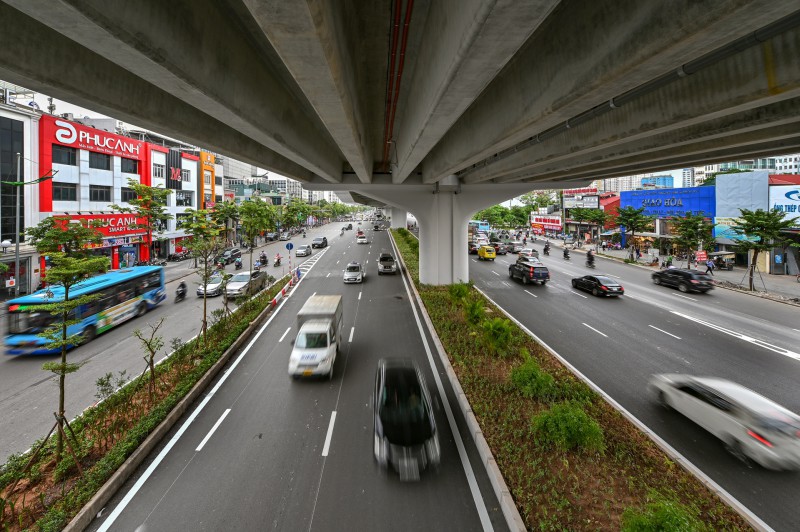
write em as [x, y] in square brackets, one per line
[566, 254]
[304, 234]
[180, 293]
[547, 251]
[277, 260]
[342, 233]
[238, 264]
[590, 264]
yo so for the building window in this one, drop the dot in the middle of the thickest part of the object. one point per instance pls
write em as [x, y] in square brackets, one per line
[65, 155]
[185, 175]
[65, 191]
[207, 178]
[218, 180]
[98, 193]
[218, 199]
[158, 170]
[100, 161]
[129, 166]
[128, 194]
[183, 199]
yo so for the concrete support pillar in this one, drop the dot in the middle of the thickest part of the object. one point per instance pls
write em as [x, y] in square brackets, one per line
[442, 214]
[398, 218]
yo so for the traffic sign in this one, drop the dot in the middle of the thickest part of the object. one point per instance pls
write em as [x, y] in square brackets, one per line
[289, 246]
[10, 282]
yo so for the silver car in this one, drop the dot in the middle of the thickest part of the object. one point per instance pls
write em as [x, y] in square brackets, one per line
[354, 273]
[749, 425]
[303, 250]
[245, 284]
[213, 287]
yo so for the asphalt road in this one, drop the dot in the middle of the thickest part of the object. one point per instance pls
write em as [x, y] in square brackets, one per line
[620, 343]
[280, 460]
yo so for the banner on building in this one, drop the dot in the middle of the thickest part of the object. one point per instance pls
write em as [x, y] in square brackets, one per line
[786, 199]
[580, 201]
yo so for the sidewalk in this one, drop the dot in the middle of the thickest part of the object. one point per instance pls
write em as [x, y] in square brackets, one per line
[784, 286]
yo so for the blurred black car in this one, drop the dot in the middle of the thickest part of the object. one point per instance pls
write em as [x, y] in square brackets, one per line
[319, 242]
[499, 247]
[684, 280]
[598, 285]
[405, 436]
[229, 255]
[529, 271]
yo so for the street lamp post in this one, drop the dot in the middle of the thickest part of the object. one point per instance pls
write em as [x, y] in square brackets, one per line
[16, 226]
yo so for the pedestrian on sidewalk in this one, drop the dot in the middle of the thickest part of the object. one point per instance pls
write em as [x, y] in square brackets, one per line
[710, 266]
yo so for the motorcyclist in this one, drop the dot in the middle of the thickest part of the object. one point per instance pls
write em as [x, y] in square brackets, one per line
[590, 257]
[262, 258]
[547, 248]
[181, 290]
[304, 234]
[278, 259]
[566, 253]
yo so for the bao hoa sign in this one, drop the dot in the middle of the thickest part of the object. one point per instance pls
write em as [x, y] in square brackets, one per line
[666, 202]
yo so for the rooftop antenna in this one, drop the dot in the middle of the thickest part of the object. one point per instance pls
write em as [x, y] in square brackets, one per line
[51, 107]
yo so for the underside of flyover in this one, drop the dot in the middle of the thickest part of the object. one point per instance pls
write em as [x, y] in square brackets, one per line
[438, 107]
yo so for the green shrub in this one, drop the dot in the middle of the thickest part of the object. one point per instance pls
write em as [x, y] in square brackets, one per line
[458, 291]
[567, 426]
[660, 515]
[529, 379]
[497, 334]
[474, 311]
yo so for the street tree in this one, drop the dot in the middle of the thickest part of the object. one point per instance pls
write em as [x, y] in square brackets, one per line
[634, 220]
[536, 199]
[149, 206]
[295, 213]
[762, 230]
[226, 214]
[580, 215]
[152, 344]
[496, 215]
[256, 216]
[66, 243]
[691, 232]
[600, 218]
[205, 242]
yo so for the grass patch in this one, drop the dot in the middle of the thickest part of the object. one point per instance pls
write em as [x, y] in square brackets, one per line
[557, 485]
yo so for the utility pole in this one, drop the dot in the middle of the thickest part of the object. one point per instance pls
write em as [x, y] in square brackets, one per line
[16, 216]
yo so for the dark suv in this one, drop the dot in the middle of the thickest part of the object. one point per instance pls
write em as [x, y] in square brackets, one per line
[230, 255]
[530, 271]
[319, 242]
[684, 280]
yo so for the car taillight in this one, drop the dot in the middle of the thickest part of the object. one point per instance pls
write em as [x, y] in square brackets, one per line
[603, 287]
[695, 281]
[531, 272]
[759, 437]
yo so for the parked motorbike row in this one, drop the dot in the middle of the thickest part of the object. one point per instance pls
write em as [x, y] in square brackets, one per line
[179, 256]
[155, 262]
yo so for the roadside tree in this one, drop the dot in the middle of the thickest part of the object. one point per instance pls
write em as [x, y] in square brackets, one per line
[226, 214]
[205, 242]
[634, 220]
[149, 207]
[691, 232]
[256, 216]
[66, 245]
[763, 230]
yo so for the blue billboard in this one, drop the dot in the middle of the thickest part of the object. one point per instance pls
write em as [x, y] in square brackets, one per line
[668, 202]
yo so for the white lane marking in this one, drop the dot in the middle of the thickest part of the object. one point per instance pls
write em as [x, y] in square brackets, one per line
[327, 445]
[577, 294]
[337, 262]
[359, 296]
[312, 295]
[565, 273]
[685, 297]
[329, 274]
[750, 339]
[155, 463]
[213, 429]
[530, 293]
[595, 330]
[480, 505]
[505, 283]
[665, 332]
[494, 272]
[798, 330]
[474, 260]
[352, 330]
[612, 275]
[284, 334]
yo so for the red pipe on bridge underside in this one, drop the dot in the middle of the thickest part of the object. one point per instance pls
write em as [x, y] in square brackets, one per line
[395, 77]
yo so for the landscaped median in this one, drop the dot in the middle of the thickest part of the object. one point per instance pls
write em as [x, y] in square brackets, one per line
[570, 460]
[45, 495]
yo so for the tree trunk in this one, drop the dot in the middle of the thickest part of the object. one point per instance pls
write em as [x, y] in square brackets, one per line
[753, 269]
[62, 381]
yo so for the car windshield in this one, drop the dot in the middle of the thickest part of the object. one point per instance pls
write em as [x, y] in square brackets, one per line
[215, 279]
[403, 411]
[607, 281]
[312, 340]
[317, 239]
[386, 258]
[240, 278]
[29, 321]
[353, 268]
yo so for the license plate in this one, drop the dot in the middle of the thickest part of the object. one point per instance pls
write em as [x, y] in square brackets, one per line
[307, 372]
[408, 469]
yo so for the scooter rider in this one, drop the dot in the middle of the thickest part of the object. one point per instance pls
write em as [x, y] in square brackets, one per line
[278, 259]
[590, 258]
[566, 253]
[181, 290]
[547, 248]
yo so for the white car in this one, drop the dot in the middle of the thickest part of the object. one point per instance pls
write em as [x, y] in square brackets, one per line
[354, 273]
[303, 250]
[749, 425]
[361, 239]
[243, 283]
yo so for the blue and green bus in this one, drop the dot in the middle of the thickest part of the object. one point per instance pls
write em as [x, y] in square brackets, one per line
[122, 295]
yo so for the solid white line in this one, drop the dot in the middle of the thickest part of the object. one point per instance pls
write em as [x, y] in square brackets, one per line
[665, 332]
[284, 334]
[530, 293]
[685, 297]
[595, 330]
[577, 294]
[480, 504]
[352, 330]
[750, 339]
[494, 272]
[155, 463]
[359, 296]
[328, 436]
[213, 429]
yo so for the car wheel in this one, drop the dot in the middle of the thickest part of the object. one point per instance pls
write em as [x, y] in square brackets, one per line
[524, 279]
[735, 448]
[88, 335]
[574, 284]
[595, 292]
[683, 287]
[656, 280]
[662, 399]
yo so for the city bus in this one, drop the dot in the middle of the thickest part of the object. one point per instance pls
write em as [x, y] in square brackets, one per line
[123, 294]
[478, 226]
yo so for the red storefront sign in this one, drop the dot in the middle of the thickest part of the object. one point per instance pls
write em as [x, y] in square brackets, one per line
[60, 131]
[114, 225]
[577, 191]
[551, 223]
[701, 256]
